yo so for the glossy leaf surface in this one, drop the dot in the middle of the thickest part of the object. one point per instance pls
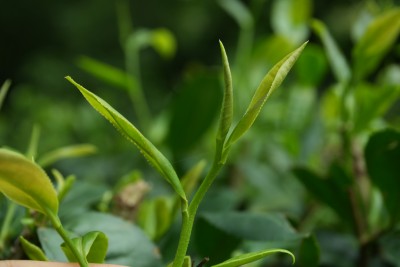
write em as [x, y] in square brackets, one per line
[250, 257]
[128, 130]
[26, 183]
[271, 81]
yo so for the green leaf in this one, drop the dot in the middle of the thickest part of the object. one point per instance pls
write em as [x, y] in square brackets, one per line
[193, 110]
[239, 12]
[226, 116]
[382, 155]
[149, 151]
[252, 226]
[163, 41]
[338, 62]
[26, 183]
[50, 242]
[92, 245]
[32, 251]
[379, 37]
[128, 244]
[64, 185]
[331, 190]
[309, 253]
[187, 262]
[105, 72]
[312, 66]
[271, 81]
[290, 17]
[3, 91]
[73, 151]
[250, 257]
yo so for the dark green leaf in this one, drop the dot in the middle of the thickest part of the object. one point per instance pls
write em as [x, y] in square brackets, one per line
[330, 191]
[382, 155]
[239, 12]
[309, 253]
[380, 35]
[32, 251]
[194, 110]
[3, 91]
[252, 226]
[128, 130]
[26, 183]
[312, 66]
[250, 257]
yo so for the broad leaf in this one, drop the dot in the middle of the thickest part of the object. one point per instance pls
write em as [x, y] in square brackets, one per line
[338, 62]
[271, 81]
[26, 183]
[382, 155]
[32, 251]
[250, 257]
[226, 116]
[149, 151]
[92, 245]
[380, 35]
[253, 226]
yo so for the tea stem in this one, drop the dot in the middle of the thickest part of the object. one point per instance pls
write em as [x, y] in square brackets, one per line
[64, 235]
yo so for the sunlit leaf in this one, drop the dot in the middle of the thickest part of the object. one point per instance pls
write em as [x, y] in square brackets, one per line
[226, 116]
[338, 62]
[92, 245]
[250, 257]
[382, 155]
[26, 183]
[128, 130]
[271, 81]
[73, 151]
[380, 35]
[3, 91]
[32, 251]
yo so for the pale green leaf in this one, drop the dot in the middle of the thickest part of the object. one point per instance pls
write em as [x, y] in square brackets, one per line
[105, 72]
[149, 151]
[26, 183]
[73, 151]
[250, 257]
[338, 62]
[3, 91]
[32, 251]
[380, 35]
[225, 120]
[92, 245]
[271, 81]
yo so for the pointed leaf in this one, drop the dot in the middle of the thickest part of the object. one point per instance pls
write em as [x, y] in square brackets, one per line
[338, 62]
[26, 183]
[149, 151]
[380, 35]
[3, 91]
[32, 251]
[250, 257]
[73, 151]
[271, 81]
[226, 116]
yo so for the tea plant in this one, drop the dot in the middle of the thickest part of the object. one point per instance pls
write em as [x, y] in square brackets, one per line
[17, 171]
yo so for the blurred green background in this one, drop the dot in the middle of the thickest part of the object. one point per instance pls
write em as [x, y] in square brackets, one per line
[169, 51]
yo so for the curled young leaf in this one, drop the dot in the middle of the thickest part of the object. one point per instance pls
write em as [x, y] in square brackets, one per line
[128, 130]
[26, 183]
[250, 257]
[271, 81]
[32, 251]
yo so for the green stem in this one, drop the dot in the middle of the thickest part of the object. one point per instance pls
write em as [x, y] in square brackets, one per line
[6, 224]
[61, 231]
[189, 215]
